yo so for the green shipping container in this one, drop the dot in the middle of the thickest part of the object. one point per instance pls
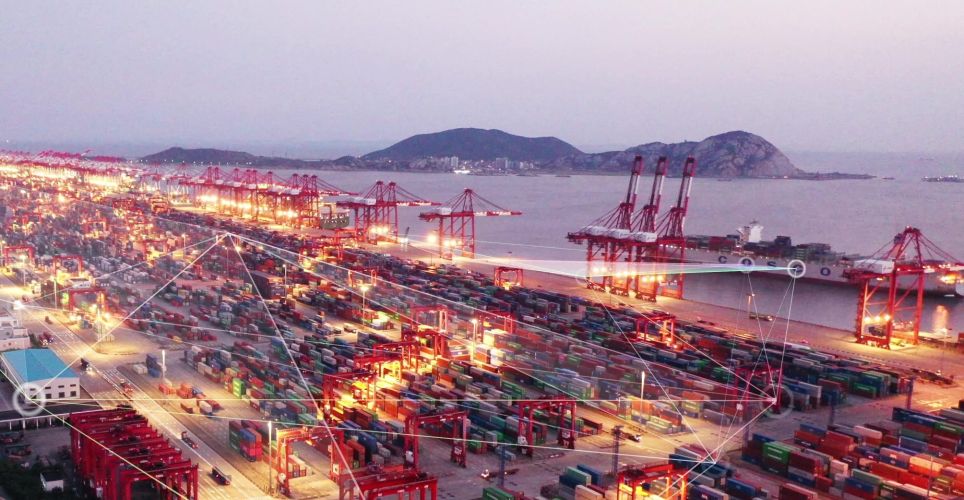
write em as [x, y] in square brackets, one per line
[495, 493]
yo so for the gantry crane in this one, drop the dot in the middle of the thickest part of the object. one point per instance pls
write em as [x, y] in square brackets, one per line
[891, 286]
[327, 439]
[644, 234]
[671, 242]
[376, 211]
[456, 222]
[608, 238]
[396, 481]
[331, 380]
[565, 410]
[664, 322]
[641, 478]
[459, 421]
[19, 254]
[104, 444]
[509, 277]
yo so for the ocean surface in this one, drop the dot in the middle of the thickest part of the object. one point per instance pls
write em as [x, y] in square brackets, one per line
[855, 216]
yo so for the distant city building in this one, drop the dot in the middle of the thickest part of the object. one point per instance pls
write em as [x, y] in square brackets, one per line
[43, 368]
[502, 163]
[12, 334]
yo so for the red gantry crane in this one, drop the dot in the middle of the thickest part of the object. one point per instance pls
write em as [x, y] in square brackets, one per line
[394, 482]
[671, 242]
[458, 435]
[563, 407]
[114, 449]
[456, 222]
[639, 478]
[644, 234]
[608, 237]
[376, 211]
[892, 283]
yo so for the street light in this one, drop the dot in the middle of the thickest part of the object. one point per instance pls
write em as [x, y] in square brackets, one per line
[475, 329]
[364, 290]
[270, 457]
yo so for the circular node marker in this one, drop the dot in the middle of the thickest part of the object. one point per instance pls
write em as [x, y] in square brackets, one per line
[748, 264]
[775, 411]
[796, 268]
[31, 406]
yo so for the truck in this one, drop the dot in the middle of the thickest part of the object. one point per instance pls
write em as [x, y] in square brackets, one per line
[187, 440]
[127, 389]
[220, 477]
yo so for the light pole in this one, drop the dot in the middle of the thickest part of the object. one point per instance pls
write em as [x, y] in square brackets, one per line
[285, 267]
[364, 290]
[943, 349]
[642, 385]
[475, 329]
[163, 364]
[270, 457]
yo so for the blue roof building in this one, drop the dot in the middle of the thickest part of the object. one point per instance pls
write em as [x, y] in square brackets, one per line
[43, 368]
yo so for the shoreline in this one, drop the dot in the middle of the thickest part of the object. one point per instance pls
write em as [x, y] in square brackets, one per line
[818, 337]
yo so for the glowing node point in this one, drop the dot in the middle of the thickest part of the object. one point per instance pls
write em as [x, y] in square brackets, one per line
[747, 264]
[34, 399]
[796, 268]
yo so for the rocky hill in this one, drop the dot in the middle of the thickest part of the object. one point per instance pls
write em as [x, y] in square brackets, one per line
[476, 144]
[731, 154]
[225, 157]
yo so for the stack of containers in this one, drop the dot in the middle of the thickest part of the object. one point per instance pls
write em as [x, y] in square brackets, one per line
[296, 466]
[245, 441]
[874, 460]
[571, 479]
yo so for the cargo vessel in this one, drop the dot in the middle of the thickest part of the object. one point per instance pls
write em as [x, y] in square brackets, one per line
[944, 178]
[823, 264]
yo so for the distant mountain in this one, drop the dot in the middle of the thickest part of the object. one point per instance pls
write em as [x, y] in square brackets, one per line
[226, 157]
[476, 144]
[731, 154]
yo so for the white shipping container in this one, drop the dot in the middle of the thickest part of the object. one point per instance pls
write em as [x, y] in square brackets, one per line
[584, 493]
[878, 266]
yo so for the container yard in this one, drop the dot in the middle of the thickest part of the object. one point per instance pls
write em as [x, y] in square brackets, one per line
[229, 331]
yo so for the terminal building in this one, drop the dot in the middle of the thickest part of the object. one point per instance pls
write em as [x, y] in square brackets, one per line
[42, 368]
[12, 334]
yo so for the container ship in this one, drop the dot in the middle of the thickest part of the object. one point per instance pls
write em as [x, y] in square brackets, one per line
[823, 264]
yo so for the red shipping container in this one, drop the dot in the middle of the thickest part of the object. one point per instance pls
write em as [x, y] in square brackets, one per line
[886, 471]
[918, 428]
[823, 483]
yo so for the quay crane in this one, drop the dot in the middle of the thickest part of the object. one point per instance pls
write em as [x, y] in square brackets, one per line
[456, 222]
[608, 237]
[627, 237]
[891, 286]
[376, 211]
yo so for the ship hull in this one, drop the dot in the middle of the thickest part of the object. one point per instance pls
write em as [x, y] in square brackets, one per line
[817, 272]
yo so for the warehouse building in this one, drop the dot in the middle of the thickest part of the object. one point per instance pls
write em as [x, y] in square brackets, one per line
[43, 368]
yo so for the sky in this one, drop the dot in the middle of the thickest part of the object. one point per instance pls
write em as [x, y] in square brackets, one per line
[861, 75]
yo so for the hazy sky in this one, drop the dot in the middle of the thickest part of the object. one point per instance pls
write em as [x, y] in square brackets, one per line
[816, 75]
